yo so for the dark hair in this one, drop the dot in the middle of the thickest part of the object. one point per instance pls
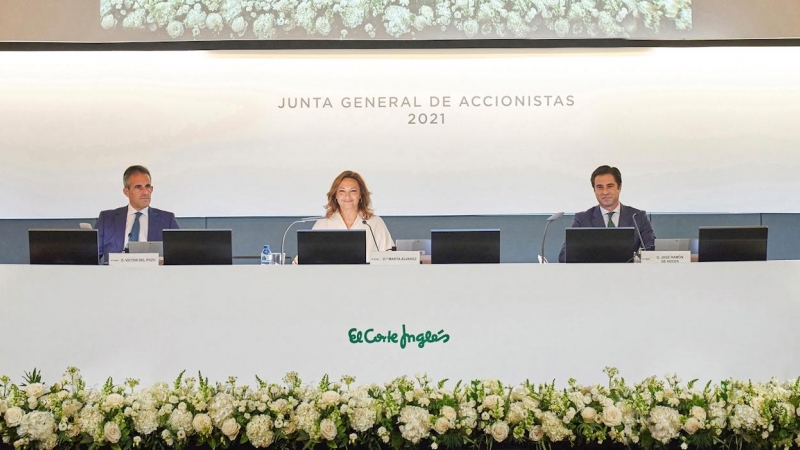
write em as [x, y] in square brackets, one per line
[606, 170]
[365, 207]
[131, 171]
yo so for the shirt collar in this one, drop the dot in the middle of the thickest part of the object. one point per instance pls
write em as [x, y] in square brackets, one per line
[616, 210]
[145, 212]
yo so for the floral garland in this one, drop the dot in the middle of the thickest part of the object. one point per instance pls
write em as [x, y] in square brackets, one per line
[370, 19]
[399, 414]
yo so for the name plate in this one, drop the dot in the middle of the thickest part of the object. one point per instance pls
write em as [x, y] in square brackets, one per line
[667, 257]
[133, 259]
[402, 258]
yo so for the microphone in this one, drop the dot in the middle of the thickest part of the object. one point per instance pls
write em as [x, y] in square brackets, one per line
[639, 233]
[283, 241]
[372, 233]
[553, 218]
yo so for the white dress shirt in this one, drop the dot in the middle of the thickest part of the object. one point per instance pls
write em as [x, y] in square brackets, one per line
[142, 224]
[382, 235]
[614, 218]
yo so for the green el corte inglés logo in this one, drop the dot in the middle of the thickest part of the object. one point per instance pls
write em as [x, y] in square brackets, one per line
[370, 336]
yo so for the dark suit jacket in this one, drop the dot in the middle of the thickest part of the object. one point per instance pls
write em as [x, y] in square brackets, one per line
[593, 218]
[111, 228]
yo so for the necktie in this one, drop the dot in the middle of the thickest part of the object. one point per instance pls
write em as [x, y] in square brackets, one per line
[135, 229]
[610, 223]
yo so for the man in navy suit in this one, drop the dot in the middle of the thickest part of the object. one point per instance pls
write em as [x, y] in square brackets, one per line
[607, 184]
[135, 222]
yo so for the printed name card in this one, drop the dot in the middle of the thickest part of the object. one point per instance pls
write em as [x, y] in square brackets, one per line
[133, 259]
[402, 258]
[666, 257]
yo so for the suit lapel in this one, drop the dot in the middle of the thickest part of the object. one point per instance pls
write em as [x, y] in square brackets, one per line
[152, 225]
[120, 217]
[597, 218]
[625, 216]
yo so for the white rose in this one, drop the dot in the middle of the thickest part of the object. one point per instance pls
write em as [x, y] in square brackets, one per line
[471, 27]
[108, 22]
[114, 401]
[214, 22]
[441, 426]
[35, 390]
[230, 428]
[536, 434]
[492, 400]
[612, 416]
[112, 432]
[698, 413]
[14, 416]
[561, 27]
[202, 424]
[175, 29]
[500, 431]
[327, 429]
[239, 25]
[449, 413]
[692, 425]
[589, 414]
[330, 397]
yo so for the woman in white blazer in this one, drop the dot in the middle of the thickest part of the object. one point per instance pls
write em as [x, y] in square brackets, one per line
[349, 207]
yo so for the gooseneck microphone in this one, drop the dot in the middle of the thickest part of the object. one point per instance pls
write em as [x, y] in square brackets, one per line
[639, 233]
[283, 241]
[554, 217]
[372, 233]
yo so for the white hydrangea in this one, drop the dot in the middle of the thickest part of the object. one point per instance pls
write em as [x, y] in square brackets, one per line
[259, 431]
[664, 423]
[181, 420]
[415, 423]
[39, 426]
[220, 408]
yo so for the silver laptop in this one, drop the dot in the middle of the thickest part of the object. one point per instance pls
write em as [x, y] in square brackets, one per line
[676, 245]
[146, 247]
[414, 245]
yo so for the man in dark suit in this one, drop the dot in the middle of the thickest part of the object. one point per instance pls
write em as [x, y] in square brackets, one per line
[607, 184]
[135, 222]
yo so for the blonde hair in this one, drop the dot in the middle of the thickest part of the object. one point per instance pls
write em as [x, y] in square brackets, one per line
[364, 206]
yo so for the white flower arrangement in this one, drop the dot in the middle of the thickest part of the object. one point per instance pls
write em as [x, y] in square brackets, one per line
[398, 19]
[399, 414]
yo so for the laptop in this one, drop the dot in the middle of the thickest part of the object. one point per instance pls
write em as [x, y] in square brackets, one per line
[414, 245]
[676, 245]
[197, 247]
[79, 247]
[600, 245]
[465, 246]
[331, 247]
[733, 243]
[146, 247]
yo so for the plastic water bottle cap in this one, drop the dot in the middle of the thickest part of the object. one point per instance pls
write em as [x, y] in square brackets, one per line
[266, 249]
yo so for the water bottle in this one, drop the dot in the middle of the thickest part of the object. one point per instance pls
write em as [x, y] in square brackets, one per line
[266, 256]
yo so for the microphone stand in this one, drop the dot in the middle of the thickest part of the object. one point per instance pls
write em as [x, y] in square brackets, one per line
[283, 241]
[550, 219]
[641, 239]
[373, 235]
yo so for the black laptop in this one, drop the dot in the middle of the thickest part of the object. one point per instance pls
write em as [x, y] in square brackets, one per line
[331, 247]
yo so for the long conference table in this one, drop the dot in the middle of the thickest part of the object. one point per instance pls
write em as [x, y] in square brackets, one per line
[512, 322]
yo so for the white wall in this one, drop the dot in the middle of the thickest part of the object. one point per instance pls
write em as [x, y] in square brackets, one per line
[692, 129]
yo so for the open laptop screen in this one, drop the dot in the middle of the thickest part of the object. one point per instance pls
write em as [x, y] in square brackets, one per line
[465, 246]
[63, 246]
[197, 247]
[600, 245]
[331, 247]
[732, 243]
